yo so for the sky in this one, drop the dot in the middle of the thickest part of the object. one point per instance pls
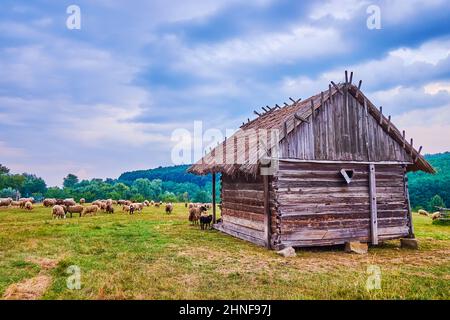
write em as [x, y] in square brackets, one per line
[106, 98]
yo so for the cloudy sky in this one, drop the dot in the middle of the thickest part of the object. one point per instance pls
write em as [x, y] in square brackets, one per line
[106, 98]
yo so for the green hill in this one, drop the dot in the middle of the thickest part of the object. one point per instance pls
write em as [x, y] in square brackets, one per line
[424, 186]
[176, 174]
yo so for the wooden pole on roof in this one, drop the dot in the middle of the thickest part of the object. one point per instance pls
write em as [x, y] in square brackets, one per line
[346, 77]
[381, 116]
[404, 140]
[257, 113]
[411, 151]
[336, 87]
[389, 124]
[214, 196]
[351, 77]
[329, 93]
[418, 153]
[359, 89]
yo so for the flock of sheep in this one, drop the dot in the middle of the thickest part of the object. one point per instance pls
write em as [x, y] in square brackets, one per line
[198, 212]
[23, 203]
[434, 216]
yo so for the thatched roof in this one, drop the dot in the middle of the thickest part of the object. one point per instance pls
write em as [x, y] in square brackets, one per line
[284, 120]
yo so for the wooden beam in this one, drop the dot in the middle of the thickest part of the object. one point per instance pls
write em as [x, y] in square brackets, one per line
[267, 218]
[418, 153]
[343, 162]
[336, 87]
[257, 113]
[389, 124]
[300, 118]
[351, 78]
[293, 101]
[214, 196]
[366, 116]
[346, 77]
[373, 205]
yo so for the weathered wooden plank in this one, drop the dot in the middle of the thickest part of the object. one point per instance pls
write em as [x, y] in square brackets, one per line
[267, 227]
[373, 206]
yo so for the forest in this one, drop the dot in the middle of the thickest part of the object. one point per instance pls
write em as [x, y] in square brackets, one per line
[174, 184]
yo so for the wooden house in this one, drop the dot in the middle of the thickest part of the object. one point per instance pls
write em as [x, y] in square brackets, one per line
[338, 173]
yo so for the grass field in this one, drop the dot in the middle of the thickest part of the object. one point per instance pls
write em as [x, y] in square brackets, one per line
[158, 256]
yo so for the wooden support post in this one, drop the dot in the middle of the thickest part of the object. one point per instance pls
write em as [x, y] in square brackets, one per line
[389, 124]
[346, 77]
[267, 218]
[214, 196]
[351, 77]
[312, 130]
[408, 203]
[373, 205]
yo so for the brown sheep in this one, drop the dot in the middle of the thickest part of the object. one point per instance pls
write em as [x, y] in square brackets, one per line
[58, 212]
[69, 202]
[75, 209]
[157, 205]
[92, 209]
[126, 208]
[195, 213]
[109, 208]
[28, 206]
[169, 208]
[82, 201]
[49, 202]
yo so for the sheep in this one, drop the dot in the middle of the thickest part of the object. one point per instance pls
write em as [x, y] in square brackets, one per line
[121, 202]
[59, 201]
[195, 213]
[423, 212]
[28, 206]
[82, 201]
[132, 208]
[109, 202]
[126, 208]
[115, 202]
[138, 206]
[75, 209]
[185, 204]
[5, 202]
[152, 203]
[436, 215]
[69, 202]
[191, 205]
[92, 209]
[23, 201]
[147, 203]
[169, 208]
[205, 221]
[58, 212]
[157, 205]
[109, 208]
[15, 203]
[49, 202]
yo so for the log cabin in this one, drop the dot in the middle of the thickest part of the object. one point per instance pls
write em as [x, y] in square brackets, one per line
[331, 170]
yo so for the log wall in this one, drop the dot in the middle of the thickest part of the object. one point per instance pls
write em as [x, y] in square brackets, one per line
[313, 205]
[243, 208]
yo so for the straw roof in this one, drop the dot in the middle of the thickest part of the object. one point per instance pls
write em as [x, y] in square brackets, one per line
[243, 152]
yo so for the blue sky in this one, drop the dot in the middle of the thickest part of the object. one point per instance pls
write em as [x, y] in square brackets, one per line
[105, 99]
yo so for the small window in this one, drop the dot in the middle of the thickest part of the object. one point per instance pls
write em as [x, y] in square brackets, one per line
[347, 174]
